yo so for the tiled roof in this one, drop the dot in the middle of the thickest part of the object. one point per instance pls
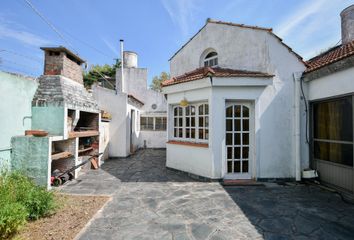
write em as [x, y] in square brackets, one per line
[204, 72]
[333, 55]
[270, 30]
[135, 99]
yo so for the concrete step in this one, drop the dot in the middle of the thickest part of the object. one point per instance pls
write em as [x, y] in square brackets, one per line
[241, 182]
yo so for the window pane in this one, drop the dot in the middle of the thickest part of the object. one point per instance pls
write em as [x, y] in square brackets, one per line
[237, 111]
[245, 111]
[180, 122]
[192, 133]
[206, 121]
[179, 111]
[206, 109]
[245, 125]
[201, 121]
[228, 124]
[201, 110]
[333, 120]
[193, 121]
[175, 112]
[334, 152]
[175, 132]
[244, 166]
[201, 134]
[175, 122]
[228, 138]
[143, 123]
[192, 110]
[150, 125]
[229, 153]
[237, 138]
[237, 152]
[206, 134]
[245, 138]
[245, 151]
[188, 133]
[237, 167]
[229, 166]
[188, 111]
[229, 111]
[188, 121]
[180, 133]
[237, 125]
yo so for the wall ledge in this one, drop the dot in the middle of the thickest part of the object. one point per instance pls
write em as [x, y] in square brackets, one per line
[190, 144]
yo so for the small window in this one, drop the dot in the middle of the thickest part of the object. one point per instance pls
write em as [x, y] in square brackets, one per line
[160, 123]
[146, 123]
[211, 59]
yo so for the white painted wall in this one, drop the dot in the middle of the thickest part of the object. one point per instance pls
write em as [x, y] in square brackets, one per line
[116, 105]
[338, 83]
[245, 49]
[196, 160]
[136, 84]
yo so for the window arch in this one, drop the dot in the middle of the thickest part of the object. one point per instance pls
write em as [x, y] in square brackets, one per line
[210, 59]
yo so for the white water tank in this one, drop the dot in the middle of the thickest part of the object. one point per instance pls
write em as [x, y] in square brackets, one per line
[347, 17]
[130, 59]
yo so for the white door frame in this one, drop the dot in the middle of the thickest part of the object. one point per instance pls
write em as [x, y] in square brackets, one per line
[251, 155]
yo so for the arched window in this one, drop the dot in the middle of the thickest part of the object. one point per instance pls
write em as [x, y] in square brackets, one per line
[211, 59]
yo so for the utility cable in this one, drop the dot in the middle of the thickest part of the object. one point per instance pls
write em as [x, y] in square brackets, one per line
[47, 22]
[21, 55]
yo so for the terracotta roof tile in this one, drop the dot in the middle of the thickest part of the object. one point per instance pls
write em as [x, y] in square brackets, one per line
[333, 55]
[204, 72]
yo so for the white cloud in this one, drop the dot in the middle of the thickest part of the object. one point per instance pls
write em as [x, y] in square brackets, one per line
[22, 36]
[112, 47]
[299, 16]
[181, 12]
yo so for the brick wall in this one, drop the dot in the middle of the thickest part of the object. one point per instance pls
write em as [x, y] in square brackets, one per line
[60, 64]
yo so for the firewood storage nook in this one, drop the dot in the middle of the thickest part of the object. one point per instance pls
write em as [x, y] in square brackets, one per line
[67, 111]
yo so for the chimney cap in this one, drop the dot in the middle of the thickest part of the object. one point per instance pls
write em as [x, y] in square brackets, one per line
[66, 50]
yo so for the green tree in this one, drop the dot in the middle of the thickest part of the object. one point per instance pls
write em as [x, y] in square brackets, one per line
[157, 80]
[97, 72]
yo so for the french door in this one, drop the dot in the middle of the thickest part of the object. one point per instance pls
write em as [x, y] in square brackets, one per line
[238, 139]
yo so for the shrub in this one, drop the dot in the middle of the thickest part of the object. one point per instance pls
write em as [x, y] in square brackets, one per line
[12, 218]
[21, 199]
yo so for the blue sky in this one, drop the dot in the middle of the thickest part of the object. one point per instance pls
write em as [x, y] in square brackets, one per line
[154, 29]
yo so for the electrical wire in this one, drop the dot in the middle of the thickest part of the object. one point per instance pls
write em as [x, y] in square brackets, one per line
[21, 55]
[48, 23]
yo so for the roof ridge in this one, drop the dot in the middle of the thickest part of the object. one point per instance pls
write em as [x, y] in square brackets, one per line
[209, 20]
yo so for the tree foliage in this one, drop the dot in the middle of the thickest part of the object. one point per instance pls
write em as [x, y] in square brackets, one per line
[97, 72]
[157, 80]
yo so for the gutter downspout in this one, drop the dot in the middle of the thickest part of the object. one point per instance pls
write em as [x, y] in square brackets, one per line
[121, 66]
[297, 150]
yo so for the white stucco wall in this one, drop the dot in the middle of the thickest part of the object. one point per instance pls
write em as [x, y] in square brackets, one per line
[254, 50]
[136, 84]
[229, 42]
[336, 84]
[116, 105]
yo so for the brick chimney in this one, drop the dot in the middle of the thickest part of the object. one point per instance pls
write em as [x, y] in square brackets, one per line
[61, 61]
[347, 17]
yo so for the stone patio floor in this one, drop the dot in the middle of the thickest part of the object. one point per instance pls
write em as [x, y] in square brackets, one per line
[151, 202]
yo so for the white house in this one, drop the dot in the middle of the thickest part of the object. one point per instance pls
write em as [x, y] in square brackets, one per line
[330, 87]
[234, 104]
[138, 113]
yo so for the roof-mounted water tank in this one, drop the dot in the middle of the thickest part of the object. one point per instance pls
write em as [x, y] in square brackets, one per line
[130, 59]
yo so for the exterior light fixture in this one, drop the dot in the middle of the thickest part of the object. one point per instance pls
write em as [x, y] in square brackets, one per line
[183, 102]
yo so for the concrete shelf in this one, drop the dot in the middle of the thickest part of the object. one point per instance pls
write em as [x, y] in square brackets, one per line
[61, 155]
[83, 134]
